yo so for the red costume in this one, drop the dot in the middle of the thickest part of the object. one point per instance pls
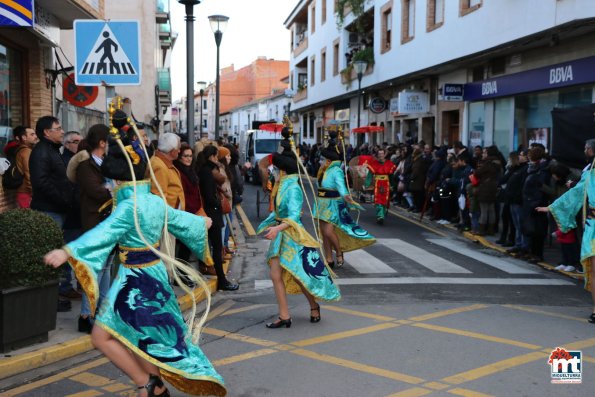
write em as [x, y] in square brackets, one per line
[381, 173]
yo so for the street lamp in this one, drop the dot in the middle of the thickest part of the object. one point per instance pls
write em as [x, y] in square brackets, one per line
[190, 67]
[360, 67]
[218, 25]
[201, 90]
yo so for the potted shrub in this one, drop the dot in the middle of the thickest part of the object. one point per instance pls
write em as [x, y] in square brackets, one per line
[28, 288]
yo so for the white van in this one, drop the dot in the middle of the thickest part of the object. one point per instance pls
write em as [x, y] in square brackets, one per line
[254, 145]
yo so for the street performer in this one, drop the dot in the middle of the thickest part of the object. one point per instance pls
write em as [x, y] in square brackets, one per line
[564, 211]
[339, 231]
[380, 170]
[139, 325]
[295, 264]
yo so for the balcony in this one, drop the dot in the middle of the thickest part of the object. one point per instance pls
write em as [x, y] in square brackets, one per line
[164, 31]
[301, 46]
[165, 43]
[301, 94]
[164, 82]
[348, 74]
[162, 11]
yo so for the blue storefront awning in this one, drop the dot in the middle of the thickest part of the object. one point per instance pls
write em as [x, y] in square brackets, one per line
[16, 13]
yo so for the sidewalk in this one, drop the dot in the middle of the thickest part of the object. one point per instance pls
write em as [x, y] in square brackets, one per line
[65, 341]
[552, 254]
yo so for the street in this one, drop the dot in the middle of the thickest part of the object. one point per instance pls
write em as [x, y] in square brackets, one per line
[422, 313]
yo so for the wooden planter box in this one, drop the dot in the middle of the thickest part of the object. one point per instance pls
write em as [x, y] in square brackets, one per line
[27, 315]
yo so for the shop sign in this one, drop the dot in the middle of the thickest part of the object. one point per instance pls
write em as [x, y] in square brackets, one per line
[16, 13]
[413, 102]
[342, 115]
[452, 92]
[575, 72]
[394, 106]
[377, 105]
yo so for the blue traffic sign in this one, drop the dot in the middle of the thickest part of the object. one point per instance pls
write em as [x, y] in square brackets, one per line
[107, 52]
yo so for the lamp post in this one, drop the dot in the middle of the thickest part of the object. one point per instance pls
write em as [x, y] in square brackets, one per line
[190, 67]
[360, 68]
[218, 25]
[201, 90]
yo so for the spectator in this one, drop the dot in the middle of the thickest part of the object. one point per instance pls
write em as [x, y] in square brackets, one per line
[477, 156]
[71, 142]
[419, 168]
[27, 138]
[52, 192]
[488, 173]
[223, 178]
[166, 174]
[508, 232]
[237, 181]
[459, 182]
[514, 194]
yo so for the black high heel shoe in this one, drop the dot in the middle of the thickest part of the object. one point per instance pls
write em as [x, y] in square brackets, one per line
[280, 323]
[315, 319]
[331, 264]
[340, 262]
[592, 318]
[154, 382]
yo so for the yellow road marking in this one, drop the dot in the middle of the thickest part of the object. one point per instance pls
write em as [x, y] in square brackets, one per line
[537, 311]
[448, 312]
[243, 357]
[55, 378]
[436, 385]
[413, 392]
[468, 393]
[249, 229]
[89, 379]
[220, 309]
[588, 359]
[358, 313]
[417, 223]
[477, 335]
[117, 387]
[238, 337]
[244, 309]
[342, 335]
[358, 367]
[493, 368]
[581, 344]
[87, 393]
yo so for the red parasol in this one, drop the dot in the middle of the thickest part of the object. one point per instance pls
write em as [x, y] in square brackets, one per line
[368, 128]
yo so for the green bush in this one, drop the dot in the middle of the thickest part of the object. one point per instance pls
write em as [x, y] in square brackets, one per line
[25, 237]
[367, 54]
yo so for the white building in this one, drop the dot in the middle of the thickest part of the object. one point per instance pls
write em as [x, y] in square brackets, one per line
[423, 48]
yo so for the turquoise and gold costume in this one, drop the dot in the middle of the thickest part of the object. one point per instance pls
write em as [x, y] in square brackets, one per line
[141, 309]
[296, 249]
[565, 209]
[332, 208]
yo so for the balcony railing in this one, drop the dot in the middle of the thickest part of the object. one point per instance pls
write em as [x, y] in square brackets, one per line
[164, 79]
[162, 11]
[164, 30]
[301, 94]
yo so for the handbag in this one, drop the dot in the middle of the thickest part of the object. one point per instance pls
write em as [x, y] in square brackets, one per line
[225, 204]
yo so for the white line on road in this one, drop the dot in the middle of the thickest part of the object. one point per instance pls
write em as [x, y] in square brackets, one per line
[366, 263]
[262, 284]
[490, 260]
[428, 260]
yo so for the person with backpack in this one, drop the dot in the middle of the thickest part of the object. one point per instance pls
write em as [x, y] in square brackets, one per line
[18, 176]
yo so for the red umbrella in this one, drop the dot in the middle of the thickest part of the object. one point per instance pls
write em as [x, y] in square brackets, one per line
[271, 127]
[368, 128]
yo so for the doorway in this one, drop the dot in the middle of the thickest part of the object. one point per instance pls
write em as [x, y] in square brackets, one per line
[450, 127]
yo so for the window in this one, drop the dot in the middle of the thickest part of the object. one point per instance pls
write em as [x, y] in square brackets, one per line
[12, 94]
[435, 15]
[313, 19]
[312, 71]
[468, 6]
[407, 20]
[336, 57]
[323, 64]
[323, 11]
[386, 27]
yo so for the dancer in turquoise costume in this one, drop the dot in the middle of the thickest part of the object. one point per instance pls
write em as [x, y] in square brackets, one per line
[139, 325]
[339, 231]
[565, 209]
[295, 264]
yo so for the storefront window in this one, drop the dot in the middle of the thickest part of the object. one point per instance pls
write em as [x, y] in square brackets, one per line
[503, 123]
[11, 93]
[533, 118]
[476, 124]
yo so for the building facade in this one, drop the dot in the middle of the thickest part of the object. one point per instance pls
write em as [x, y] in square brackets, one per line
[437, 70]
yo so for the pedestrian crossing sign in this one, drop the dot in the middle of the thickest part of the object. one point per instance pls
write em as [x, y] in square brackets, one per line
[107, 52]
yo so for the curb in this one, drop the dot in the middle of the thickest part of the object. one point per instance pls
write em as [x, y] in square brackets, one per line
[474, 238]
[39, 358]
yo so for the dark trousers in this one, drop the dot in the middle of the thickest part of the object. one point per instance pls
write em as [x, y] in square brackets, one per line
[216, 248]
[571, 254]
[507, 225]
[538, 237]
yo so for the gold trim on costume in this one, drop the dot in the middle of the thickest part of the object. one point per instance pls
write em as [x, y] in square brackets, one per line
[127, 184]
[84, 275]
[141, 265]
[183, 381]
[381, 177]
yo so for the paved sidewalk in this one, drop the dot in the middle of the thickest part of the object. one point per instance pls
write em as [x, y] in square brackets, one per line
[66, 342]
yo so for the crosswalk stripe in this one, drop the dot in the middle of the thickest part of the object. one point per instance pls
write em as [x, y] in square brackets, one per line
[366, 263]
[490, 260]
[426, 259]
[262, 284]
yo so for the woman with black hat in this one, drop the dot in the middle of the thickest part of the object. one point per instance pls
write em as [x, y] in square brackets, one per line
[296, 266]
[139, 325]
[339, 231]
